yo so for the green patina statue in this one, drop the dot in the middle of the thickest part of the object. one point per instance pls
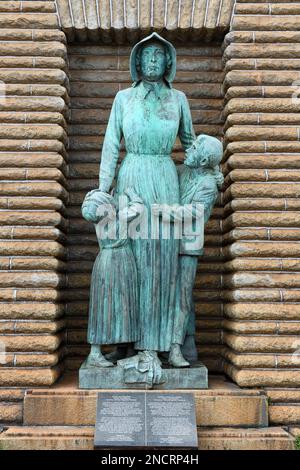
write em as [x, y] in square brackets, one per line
[113, 309]
[151, 276]
[199, 181]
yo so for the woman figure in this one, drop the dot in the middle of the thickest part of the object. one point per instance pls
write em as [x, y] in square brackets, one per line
[149, 116]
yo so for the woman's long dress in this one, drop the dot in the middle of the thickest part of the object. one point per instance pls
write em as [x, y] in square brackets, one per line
[149, 118]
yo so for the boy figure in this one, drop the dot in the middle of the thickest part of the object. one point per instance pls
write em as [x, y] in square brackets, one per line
[200, 181]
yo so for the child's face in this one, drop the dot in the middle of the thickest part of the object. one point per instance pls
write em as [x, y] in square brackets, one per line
[195, 157]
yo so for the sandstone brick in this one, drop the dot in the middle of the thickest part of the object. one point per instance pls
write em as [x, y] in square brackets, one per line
[251, 8]
[266, 23]
[261, 360]
[265, 219]
[262, 311]
[261, 118]
[294, 431]
[249, 264]
[245, 439]
[243, 360]
[17, 34]
[270, 64]
[37, 263]
[265, 146]
[27, 103]
[10, 327]
[38, 360]
[240, 161]
[265, 190]
[260, 294]
[280, 280]
[29, 159]
[32, 343]
[28, 20]
[261, 37]
[11, 413]
[285, 395]
[287, 414]
[31, 203]
[27, 308]
[50, 174]
[42, 233]
[257, 327]
[41, 90]
[32, 218]
[290, 51]
[258, 248]
[39, 117]
[282, 105]
[58, 77]
[28, 188]
[263, 175]
[31, 279]
[37, 6]
[36, 145]
[11, 395]
[261, 133]
[248, 233]
[31, 248]
[34, 377]
[263, 377]
[260, 77]
[50, 438]
[256, 204]
[261, 343]
[35, 62]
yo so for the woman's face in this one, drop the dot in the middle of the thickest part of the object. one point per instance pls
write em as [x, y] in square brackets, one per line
[153, 62]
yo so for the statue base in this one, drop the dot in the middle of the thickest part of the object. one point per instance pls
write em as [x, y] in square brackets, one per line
[112, 378]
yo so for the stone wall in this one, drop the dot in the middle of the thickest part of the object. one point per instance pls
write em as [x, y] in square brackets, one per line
[106, 21]
[261, 224]
[248, 288]
[34, 101]
[96, 74]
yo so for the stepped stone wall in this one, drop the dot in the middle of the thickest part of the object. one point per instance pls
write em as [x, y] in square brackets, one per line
[33, 194]
[248, 285]
[261, 202]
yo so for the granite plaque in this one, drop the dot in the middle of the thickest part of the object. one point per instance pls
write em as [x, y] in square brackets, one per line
[171, 420]
[146, 420]
[120, 420]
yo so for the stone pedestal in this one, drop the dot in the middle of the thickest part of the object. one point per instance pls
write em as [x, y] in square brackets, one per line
[111, 378]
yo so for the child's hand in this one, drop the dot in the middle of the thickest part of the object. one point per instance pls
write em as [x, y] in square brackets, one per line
[89, 211]
[92, 201]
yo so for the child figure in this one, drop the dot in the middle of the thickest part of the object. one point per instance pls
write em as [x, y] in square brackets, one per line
[199, 180]
[113, 304]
